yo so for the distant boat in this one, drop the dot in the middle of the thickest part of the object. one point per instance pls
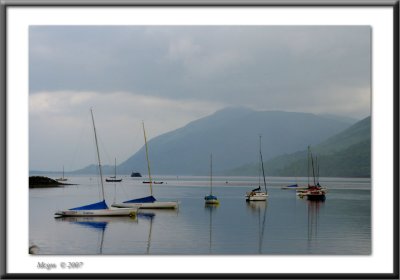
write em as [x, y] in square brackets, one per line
[98, 208]
[294, 186]
[114, 178]
[153, 182]
[211, 199]
[257, 194]
[313, 191]
[148, 202]
[62, 179]
[136, 174]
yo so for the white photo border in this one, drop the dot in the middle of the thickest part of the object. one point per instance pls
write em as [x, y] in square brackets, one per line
[380, 18]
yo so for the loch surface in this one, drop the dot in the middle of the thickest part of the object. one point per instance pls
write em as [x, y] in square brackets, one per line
[284, 225]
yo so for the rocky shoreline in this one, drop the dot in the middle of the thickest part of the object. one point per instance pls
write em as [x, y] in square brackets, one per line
[44, 182]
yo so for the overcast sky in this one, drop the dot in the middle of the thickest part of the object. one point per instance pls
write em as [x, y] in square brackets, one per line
[168, 76]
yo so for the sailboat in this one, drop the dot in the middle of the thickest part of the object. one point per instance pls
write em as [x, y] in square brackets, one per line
[257, 194]
[313, 191]
[211, 199]
[148, 202]
[99, 208]
[114, 178]
[291, 186]
[62, 179]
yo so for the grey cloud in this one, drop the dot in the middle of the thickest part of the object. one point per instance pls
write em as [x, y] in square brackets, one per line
[243, 64]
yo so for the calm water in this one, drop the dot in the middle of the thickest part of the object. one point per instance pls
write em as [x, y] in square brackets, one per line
[285, 224]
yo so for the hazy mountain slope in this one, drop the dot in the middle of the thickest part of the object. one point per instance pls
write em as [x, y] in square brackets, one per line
[232, 136]
[347, 154]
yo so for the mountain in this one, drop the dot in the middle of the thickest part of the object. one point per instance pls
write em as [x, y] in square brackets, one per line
[231, 135]
[345, 119]
[346, 154]
[90, 169]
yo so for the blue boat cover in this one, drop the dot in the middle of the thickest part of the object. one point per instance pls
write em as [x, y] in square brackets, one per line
[95, 206]
[147, 199]
[210, 197]
[293, 186]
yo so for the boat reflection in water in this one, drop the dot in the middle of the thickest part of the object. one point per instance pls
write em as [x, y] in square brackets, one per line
[148, 216]
[259, 207]
[210, 208]
[314, 208]
[98, 224]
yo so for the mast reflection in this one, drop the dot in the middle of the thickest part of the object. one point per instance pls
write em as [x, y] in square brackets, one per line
[260, 208]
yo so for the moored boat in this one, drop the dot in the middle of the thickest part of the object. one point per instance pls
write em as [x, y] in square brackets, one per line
[153, 182]
[98, 208]
[211, 199]
[290, 187]
[114, 178]
[148, 202]
[62, 179]
[257, 194]
[313, 191]
[136, 174]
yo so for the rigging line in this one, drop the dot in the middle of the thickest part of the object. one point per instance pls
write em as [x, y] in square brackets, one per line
[308, 165]
[317, 164]
[147, 157]
[259, 164]
[262, 165]
[93, 161]
[211, 173]
[312, 164]
[98, 155]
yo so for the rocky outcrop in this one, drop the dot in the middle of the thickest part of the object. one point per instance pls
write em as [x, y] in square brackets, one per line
[44, 182]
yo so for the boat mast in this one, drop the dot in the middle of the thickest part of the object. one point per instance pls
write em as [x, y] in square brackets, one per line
[98, 154]
[115, 168]
[262, 166]
[211, 173]
[317, 167]
[313, 172]
[147, 157]
[308, 165]
[259, 164]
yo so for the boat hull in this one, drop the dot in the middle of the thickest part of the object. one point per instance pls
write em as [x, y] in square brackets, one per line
[256, 196]
[316, 195]
[149, 205]
[212, 201]
[98, 213]
[113, 180]
[313, 193]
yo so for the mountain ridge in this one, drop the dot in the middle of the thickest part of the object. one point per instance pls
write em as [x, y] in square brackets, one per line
[231, 135]
[346, 154]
